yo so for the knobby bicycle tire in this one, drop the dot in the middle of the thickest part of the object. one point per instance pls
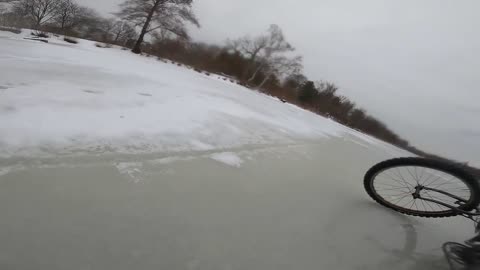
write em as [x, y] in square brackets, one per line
[436, 165]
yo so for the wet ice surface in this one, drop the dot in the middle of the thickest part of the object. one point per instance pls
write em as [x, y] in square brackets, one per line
[114, 161]
[300, 206]
[228, 158]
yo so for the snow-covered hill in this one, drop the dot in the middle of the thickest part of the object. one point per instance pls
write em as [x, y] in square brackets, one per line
[61, 98]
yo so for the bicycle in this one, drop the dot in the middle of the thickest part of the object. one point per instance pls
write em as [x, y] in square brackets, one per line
[434, 189]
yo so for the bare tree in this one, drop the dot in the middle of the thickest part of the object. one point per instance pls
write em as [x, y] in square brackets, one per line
[122, 32]
[68, 14]
[163, 35]
[281, 66]
[294, 81]
[39, 11]
[264, 47]
[92, 25]
[3, 15]
[152, 15]
[10, 16]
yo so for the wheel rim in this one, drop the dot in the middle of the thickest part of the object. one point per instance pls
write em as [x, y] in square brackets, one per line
[397, 186]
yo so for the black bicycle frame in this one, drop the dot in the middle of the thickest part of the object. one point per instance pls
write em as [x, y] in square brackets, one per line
[455, 208]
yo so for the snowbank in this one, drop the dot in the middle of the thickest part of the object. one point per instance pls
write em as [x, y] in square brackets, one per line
[62, 98]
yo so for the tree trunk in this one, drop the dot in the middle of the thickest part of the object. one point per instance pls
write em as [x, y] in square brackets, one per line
[63, 27]
[116, 37]
[37, 24]
[137, 48]
[264, 81]
[250, 66]
[255, 73]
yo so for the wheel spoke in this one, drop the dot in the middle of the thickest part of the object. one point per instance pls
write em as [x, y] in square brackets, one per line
[429, 204]
[402, 198]
[421, 175]
[426, 180]
[424, 207]
[432, 197]
[412, 175]
[438, 178]
[398, 181]
[395, 188]
[416, 174]
[388, 185]
[446, 182]
[415, 203]
[403, 179]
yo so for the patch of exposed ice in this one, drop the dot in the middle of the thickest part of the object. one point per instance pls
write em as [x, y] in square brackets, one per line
[168, 160]
[132, 170]
[228, 158]
[4, 171]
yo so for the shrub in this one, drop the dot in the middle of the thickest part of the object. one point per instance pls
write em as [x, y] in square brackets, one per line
[37, 39]
[207, 73]
[40, 34]
[11, 29]
[103, 45]
[197, 70]
[70, 40]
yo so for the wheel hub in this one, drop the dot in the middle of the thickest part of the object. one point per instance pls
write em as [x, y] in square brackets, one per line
[416, 194]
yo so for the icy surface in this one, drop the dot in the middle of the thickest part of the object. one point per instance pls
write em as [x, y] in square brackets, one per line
[286, 207]
[89, 180]
[228, 158]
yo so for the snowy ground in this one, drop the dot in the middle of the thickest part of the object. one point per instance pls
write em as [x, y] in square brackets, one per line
[59, 98]
[110, 160]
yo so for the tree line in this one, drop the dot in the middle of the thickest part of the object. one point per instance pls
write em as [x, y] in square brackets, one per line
[266, 62]
[66, 17]
[134, 20]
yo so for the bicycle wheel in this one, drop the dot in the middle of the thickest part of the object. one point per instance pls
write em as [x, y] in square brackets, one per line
[392, 183]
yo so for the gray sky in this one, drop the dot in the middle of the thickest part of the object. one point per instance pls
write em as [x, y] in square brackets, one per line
[412, 64]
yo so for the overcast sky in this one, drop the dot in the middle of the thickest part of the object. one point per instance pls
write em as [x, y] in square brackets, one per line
[413, 64]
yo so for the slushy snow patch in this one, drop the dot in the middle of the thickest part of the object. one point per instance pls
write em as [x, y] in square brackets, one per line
[131, 169]
[228, 158]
